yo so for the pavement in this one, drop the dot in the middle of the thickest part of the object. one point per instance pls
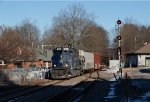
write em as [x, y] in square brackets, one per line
[140, 77]
[107, 89]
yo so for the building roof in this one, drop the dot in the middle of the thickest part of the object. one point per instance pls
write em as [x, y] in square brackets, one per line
[44, 54]
[144, 49]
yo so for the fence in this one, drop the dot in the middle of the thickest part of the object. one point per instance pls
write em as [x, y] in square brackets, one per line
[22, 75]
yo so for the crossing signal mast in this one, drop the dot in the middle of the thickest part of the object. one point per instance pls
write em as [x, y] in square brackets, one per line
[119, 44]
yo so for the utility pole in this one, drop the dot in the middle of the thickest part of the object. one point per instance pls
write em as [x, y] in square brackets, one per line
[119, 44]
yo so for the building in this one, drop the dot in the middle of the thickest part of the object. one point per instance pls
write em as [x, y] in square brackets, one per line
[140, 58]
[32, 58]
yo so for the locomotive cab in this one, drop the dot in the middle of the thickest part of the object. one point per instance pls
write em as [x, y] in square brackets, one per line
[65, 63]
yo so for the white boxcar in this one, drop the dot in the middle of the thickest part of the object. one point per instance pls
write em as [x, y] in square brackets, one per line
[89, 59]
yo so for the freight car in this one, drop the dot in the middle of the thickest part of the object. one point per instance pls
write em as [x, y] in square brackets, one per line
[69, 62]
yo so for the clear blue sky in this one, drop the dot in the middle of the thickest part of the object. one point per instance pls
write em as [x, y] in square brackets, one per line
[42, 12]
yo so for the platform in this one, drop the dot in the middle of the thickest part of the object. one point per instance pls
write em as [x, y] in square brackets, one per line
[140, 76]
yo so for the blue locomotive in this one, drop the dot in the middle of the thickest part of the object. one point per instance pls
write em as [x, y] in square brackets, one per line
[65, 63]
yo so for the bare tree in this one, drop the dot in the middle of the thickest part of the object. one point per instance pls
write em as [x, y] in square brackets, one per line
[30, 33]
[12, 46]
[70, 24]
[76, 27]
[129, 33]
[9, 40]
[145, 32]
[95, 39]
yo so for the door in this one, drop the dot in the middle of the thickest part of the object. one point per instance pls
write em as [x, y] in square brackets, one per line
[147, 61]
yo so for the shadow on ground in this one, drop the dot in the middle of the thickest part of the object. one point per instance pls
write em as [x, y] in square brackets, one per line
[147, 70]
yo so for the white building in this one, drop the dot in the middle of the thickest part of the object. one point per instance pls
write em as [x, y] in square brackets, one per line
[139, 58]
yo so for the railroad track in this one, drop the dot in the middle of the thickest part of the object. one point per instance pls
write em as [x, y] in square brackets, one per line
[41, 92]
[73, 93]
[20, 88]
[13, 95]
[5, 89]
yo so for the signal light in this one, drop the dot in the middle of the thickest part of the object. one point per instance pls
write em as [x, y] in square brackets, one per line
[119, 50]
[119, 37]
[119, 22]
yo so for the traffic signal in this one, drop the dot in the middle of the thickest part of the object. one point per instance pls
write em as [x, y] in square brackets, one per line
[119, 22]
[119, 50]
[119, 37]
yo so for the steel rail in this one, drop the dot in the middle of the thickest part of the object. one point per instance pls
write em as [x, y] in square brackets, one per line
[70, 94]
[24, 92]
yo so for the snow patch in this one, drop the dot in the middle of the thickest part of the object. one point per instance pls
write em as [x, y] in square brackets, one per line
[113, 70]
[146, 95]
[111, 93]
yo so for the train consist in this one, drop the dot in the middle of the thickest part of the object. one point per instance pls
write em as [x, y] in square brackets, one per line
[69, 62]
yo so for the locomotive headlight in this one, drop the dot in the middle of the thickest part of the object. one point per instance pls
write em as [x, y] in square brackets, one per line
[61, 56]
[66, 65]
[54, 65]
